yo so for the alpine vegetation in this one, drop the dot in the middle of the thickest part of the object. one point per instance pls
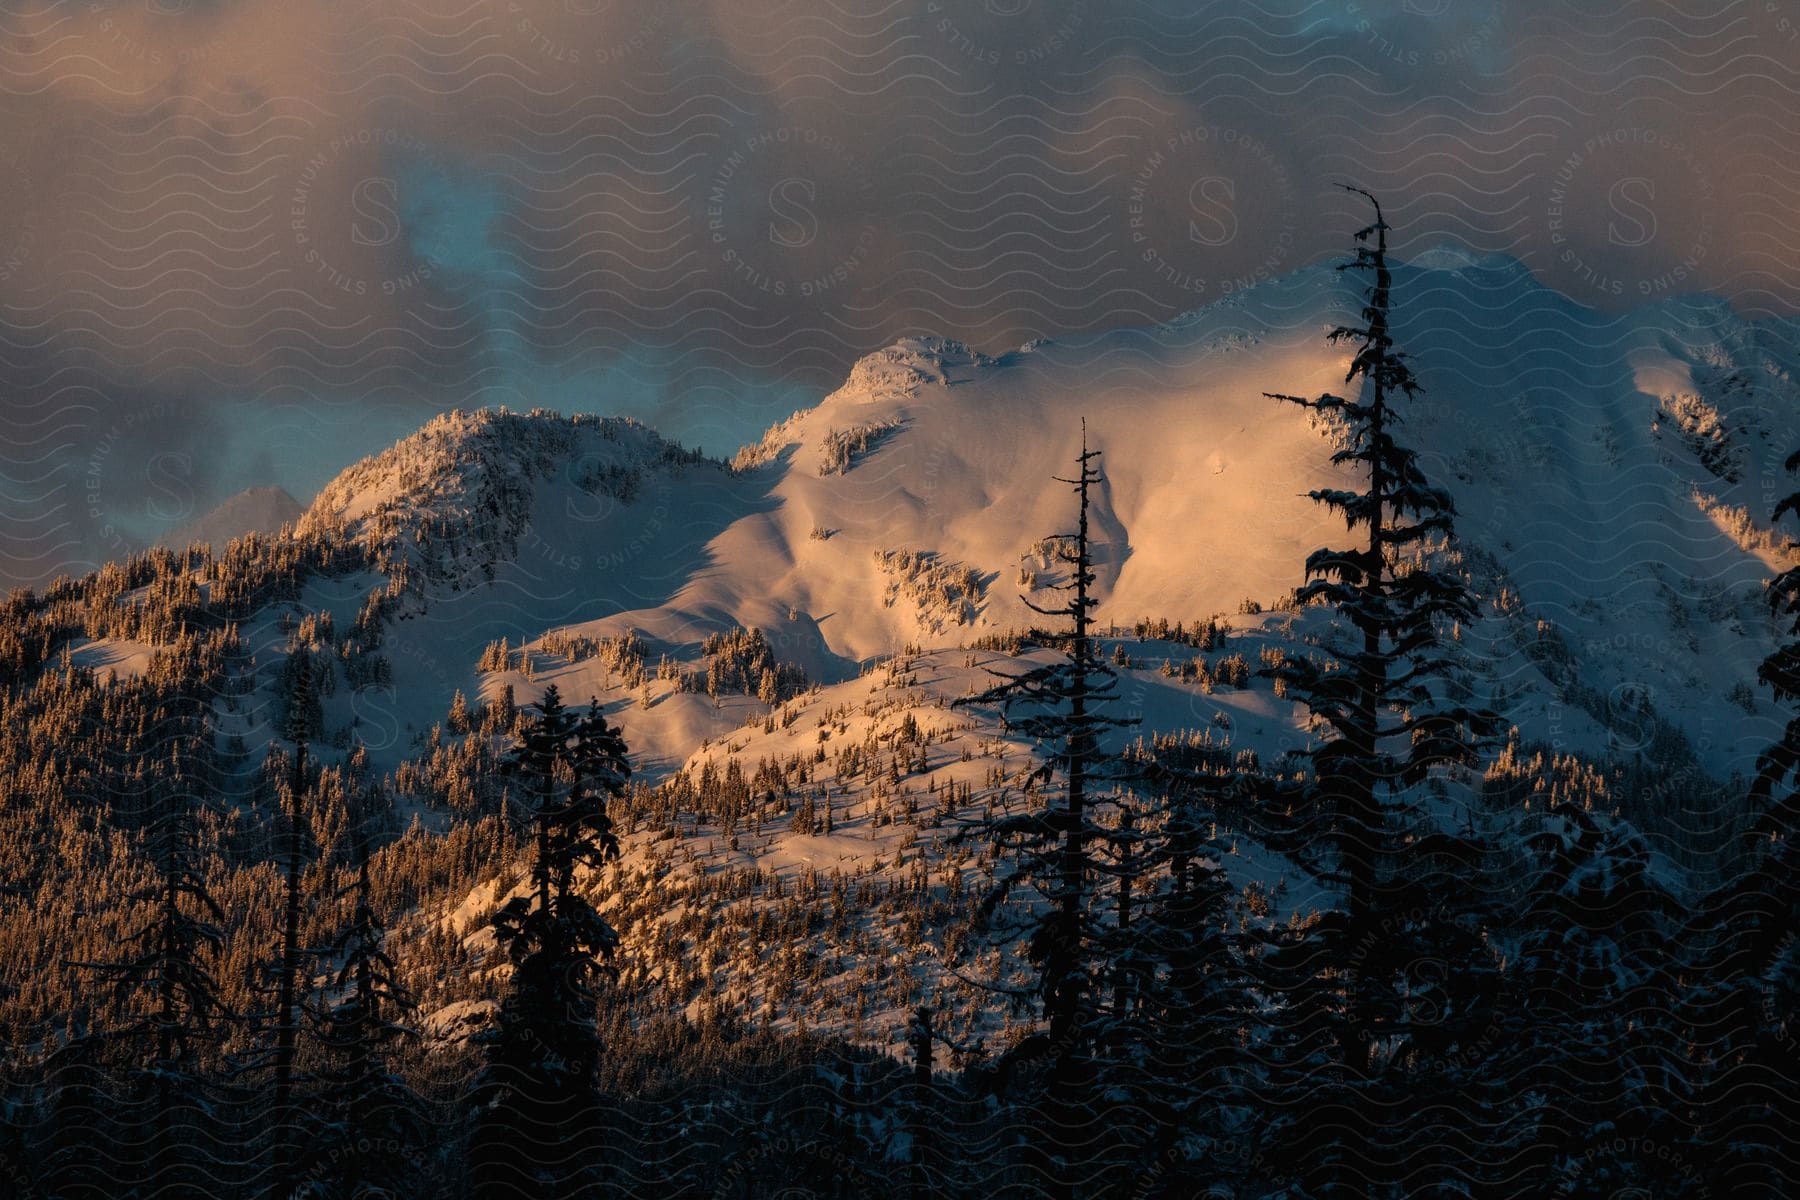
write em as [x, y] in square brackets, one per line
[1383, 786]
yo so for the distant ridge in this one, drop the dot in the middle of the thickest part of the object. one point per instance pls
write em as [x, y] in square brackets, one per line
[254, 510]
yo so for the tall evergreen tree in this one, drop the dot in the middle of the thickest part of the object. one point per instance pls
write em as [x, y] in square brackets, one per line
[537, 1097]
[1408, 909]
[1746, 982]
[1052, 849]
[301, 719]
[166, 979]
[917, 1103]
[367, 1136]
[582, 830]
[1181, 1038]
[1591, 1033]
[72, 1163]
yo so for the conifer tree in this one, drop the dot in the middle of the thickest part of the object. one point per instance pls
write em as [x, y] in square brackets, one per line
[538, 1092]
[78, 1093]
[1411, 901]
[1180, 1042]
[1388, 730]
[498, 718]
[458, 720]
[1591, 1030]
[166, 978]
[368, 1135]
[1746, 982]
[583, 834]
[1051, 850]
[302, 718]
[918, 1103]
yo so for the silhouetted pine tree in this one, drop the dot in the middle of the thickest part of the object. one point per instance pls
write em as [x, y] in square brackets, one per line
[1592, 1033]
[1052, 852]
[1745, 989]
[918, 1104]
[74, 1162]
[582, 831]
[367, 1134]
[16, 1097]
[1182, 1034]
[166, 980]
[537, 1098]
[302, 718]
[1366, 1026]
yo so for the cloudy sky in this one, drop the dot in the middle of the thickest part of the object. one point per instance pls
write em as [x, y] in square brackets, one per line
[244, 242]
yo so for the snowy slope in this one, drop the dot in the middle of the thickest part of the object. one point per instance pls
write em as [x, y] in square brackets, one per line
[1613, 476]
[900, 771]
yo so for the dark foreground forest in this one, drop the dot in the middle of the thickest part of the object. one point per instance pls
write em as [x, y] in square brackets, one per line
[202, 993]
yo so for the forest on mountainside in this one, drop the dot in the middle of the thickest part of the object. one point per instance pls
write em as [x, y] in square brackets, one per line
[492, 972]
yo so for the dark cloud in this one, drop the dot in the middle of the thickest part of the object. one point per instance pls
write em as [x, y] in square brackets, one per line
[230, 221]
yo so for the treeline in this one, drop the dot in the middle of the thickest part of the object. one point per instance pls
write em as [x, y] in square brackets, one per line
[267, 978]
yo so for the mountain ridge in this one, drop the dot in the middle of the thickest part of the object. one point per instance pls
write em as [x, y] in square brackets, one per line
[253, 510]
[903, 507]
[783, 638]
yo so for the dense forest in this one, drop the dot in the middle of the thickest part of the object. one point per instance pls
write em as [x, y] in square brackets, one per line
[231, 974]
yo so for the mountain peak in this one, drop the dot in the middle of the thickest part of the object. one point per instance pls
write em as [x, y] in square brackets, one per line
[910, 504]
[254, 510]
[460, 490]
[907, 364]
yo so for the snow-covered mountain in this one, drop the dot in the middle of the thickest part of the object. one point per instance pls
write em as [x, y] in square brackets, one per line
[253, 510]
[802, 616]
[1613, 477]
